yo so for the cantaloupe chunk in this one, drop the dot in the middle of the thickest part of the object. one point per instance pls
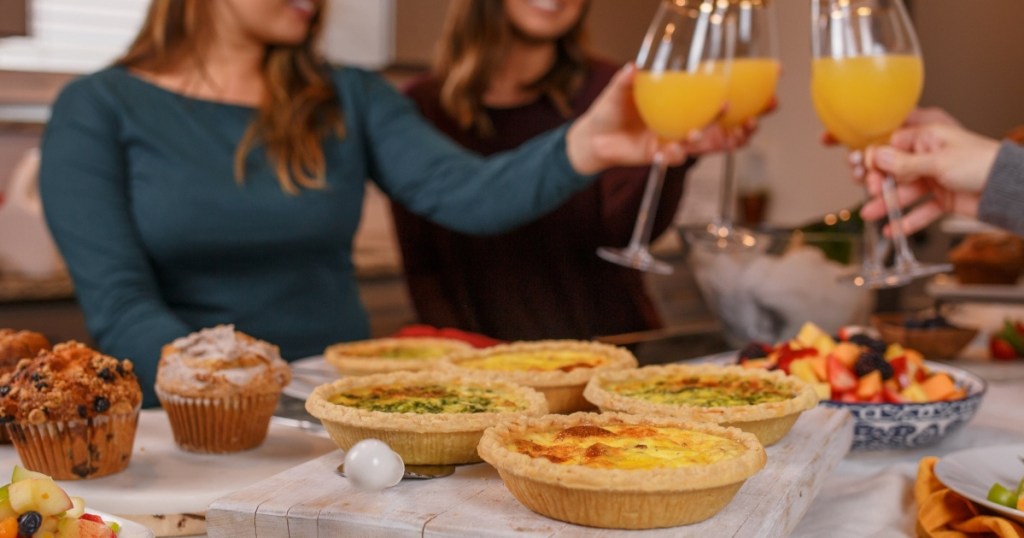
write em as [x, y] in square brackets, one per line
[938, 386]
[818, 365]
[846, 353]
[870, 385]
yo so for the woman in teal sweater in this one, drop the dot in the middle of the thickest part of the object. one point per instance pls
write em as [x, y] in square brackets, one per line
[216, 174]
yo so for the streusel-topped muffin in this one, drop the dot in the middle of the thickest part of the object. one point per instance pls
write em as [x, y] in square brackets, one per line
[219, 387]
[16, 345]
[72, 411]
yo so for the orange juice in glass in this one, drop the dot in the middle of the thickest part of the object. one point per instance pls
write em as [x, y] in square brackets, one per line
[680, 85]
[673, 103]
[752, 83]
[863, 99]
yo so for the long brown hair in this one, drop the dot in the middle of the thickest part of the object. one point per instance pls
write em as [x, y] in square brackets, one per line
[474, 40]
[300, 107]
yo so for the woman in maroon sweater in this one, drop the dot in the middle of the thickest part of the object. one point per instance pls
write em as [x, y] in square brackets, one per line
[507, 71]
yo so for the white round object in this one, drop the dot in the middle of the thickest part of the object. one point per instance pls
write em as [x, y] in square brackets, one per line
[371, 464]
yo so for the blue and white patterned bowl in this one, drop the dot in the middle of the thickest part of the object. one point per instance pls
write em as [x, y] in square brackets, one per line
[884, 426]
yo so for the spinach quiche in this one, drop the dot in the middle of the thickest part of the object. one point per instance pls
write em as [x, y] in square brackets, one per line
[429, 418]
[382, 355]
[623, 471]
[764, 403]
[557, 368]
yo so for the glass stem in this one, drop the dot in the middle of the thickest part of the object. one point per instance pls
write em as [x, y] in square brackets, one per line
[873, 249]
[648, 205]
[727, 197]
[904, 256]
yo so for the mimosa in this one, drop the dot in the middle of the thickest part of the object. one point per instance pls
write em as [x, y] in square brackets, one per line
[863, 99]
[751, 87]
[676, 102]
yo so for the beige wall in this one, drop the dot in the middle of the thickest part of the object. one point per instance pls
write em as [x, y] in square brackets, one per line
[974, 60]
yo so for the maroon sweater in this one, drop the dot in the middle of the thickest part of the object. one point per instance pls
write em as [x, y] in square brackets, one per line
[544, 279]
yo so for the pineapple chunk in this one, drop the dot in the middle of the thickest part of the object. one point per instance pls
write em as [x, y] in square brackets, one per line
[809, 335]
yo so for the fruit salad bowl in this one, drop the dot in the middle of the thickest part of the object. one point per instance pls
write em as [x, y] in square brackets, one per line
[896, 426]
[897, 398]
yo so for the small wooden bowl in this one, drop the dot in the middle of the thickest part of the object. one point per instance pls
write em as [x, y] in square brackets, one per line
[933, 343]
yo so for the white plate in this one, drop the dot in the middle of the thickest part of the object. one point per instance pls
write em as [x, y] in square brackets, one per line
[308, 374]
[972, 472]
[946, 288]
[129, 529]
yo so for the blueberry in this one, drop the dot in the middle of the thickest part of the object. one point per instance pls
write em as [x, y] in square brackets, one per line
[5, 390]
[106, 375]
[873, 344]
[100, 404]
[914, 323]
[28, 523]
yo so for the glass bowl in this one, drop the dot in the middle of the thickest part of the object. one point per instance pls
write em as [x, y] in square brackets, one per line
[766, 293]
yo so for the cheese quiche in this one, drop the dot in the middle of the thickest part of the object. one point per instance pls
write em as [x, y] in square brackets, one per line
[429, 418]
[382, 355]
[616, 470]
[764, 403]
[557, 368]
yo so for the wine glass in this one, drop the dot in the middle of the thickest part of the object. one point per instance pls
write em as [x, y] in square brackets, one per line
[866, 77]
[680, 85]
[753, 76]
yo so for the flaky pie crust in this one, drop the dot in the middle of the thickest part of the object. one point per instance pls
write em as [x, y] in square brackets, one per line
[350, 358]
[619, 498]
[421, 439]
[769, 421]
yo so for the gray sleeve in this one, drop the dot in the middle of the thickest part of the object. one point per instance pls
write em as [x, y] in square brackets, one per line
[1002, 200]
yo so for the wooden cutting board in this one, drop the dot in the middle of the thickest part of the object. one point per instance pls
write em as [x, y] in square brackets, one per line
[312, 499]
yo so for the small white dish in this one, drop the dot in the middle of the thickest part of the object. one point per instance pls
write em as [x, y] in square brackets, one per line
[972, 472]
[308, 374]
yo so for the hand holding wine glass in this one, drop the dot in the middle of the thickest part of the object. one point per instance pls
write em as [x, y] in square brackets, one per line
[680, 87]
[866, 77]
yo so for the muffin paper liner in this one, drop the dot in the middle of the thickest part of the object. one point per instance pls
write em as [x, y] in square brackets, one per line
[219, 425]
[77, 449]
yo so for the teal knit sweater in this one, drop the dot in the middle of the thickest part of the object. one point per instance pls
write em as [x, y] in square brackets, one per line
[139, 193]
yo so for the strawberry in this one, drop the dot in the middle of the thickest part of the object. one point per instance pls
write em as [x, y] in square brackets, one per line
[1000, 349]
[92, 517]
[839, 376]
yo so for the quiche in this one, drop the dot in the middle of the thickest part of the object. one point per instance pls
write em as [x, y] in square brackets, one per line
[382, 355]
[428, 418]
[616, 470]
[764, 403]
[557, 368]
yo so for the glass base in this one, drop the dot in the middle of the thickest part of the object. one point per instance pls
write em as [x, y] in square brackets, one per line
[726, 238]
[637, 258]
[894, 277]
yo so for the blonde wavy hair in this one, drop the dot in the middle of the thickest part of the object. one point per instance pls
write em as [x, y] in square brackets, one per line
[474, 41]
[300, 108]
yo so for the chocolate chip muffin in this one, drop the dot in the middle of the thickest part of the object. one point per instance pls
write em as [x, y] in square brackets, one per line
[220, 387]
[71, 411]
